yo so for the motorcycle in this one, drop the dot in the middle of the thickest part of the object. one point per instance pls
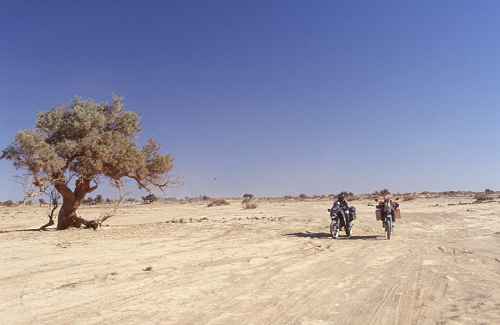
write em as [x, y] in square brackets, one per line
[341, 219]
[387, 212]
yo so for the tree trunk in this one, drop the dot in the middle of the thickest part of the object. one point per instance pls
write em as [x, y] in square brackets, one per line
[67, 214]
[71, 202]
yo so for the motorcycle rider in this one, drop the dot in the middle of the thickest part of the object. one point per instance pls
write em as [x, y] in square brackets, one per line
[342, 203]
[390, 207]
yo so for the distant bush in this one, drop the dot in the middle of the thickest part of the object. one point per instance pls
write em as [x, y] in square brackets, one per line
[382, 192]
[408, 197]
[150, 198]
[349, 196]
[217, 202]
[249, 201]
[98, 199]
[481, 197]
[488, 191]
[205, 198]
[303, 196]
[8, 203]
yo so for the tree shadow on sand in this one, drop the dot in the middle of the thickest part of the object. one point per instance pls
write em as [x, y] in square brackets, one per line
[325, 235]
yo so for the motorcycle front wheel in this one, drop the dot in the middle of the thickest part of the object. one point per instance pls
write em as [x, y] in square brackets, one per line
[348, 230]
[388, 229]
[334, 230]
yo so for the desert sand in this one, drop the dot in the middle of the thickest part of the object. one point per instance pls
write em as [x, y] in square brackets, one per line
[189, 264]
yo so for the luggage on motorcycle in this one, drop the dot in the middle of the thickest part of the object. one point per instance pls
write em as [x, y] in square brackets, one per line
[352, 212]
[397, 213]
[378, 213]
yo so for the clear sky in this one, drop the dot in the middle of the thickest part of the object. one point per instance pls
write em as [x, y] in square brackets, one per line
[273, 97]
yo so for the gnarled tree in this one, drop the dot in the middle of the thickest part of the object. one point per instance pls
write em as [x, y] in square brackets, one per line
[73, 146]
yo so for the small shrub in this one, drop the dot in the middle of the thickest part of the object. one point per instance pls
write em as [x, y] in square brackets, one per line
[303, 196]
[349, 196]
[406, 198]
[150, 198]
[248, 202]
[98, 199]
[481, 197]
[217, 202]
[89, 201]
[8, 203]
[382, 192]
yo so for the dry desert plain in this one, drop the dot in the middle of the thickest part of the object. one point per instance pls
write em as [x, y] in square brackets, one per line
[272, 265]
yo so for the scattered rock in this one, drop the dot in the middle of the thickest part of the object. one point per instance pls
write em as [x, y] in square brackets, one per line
[148, 269]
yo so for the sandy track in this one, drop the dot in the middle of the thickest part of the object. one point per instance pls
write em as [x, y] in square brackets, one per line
[272, 265]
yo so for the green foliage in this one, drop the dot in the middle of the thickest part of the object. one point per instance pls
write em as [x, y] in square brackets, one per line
[89, 140]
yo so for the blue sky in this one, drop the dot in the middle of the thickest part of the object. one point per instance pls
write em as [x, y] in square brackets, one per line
[273, 98]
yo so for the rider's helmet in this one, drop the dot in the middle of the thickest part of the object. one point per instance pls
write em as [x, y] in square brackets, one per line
[387, 198]
[341, 197]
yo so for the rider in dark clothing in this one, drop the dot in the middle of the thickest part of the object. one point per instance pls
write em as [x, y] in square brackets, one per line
[344, 205]
[341, 202]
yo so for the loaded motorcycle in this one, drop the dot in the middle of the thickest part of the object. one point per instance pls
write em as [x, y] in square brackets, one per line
[387, 211]
[342, 218]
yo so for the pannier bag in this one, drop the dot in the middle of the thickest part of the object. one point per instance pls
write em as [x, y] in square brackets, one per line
[397, 213]
[352, 212]
[379, 213]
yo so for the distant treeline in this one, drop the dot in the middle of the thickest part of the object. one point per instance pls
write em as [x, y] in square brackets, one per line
[485, 195]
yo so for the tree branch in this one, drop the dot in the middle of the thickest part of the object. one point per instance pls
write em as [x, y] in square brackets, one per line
[54, 203]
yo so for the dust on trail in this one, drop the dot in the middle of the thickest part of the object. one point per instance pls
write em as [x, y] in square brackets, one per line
[188, 264]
